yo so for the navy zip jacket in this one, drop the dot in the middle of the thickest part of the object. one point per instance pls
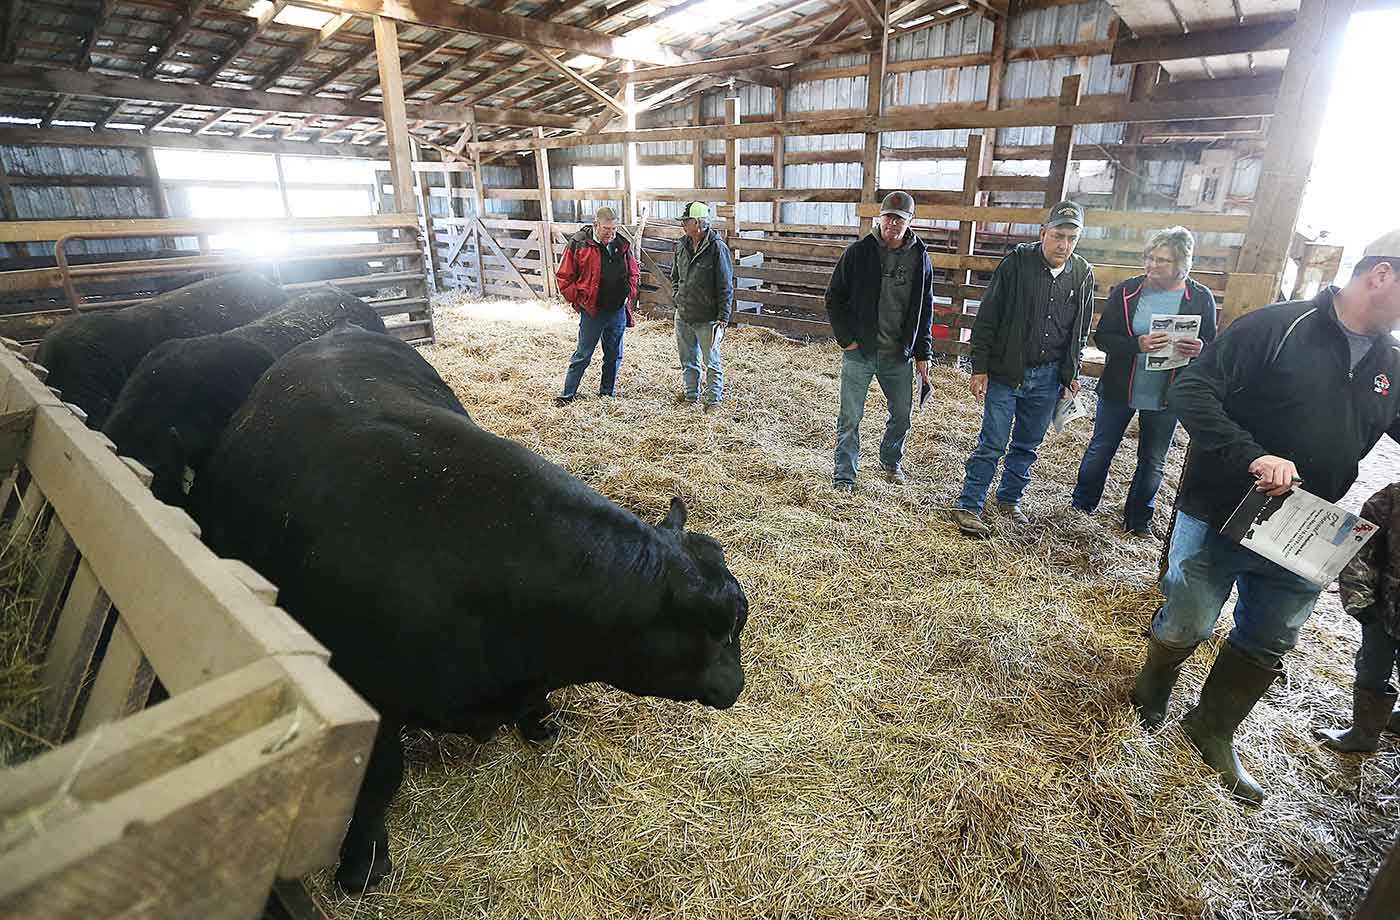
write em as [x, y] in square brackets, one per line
[853, 301]
[1114, 335]
[1279, 381]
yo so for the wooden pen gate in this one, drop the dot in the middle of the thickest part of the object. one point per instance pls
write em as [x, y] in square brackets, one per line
[193, 807]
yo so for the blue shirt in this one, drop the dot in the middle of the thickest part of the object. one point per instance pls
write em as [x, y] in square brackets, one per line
[1150, 387]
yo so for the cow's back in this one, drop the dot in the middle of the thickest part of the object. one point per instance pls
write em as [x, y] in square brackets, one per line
[90, 356]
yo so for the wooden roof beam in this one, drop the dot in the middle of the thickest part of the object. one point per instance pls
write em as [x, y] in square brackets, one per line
[9, 46]
[178, 33]
[263, 20]
[1270, 36]
[578, 80]
[834, 29]
[866, 10]
[83, 138]
[444, 14]
[746, 61]
[413, 61]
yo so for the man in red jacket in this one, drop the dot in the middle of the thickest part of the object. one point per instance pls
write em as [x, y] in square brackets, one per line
[598, 276]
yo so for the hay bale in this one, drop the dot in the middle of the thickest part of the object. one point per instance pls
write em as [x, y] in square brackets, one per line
[932, 726]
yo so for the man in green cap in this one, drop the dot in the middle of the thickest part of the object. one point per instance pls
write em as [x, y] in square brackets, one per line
[702, 290]
[880, 305]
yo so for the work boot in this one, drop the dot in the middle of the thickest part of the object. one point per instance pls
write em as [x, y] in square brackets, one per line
[1013, 511]
[894, 473]
[970, 523]
[1393, 726]
[1153, 689]
[1370, 712]
[1235, 684]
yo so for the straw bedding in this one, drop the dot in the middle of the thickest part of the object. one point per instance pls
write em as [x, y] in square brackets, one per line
[931, 726]
[20, 687]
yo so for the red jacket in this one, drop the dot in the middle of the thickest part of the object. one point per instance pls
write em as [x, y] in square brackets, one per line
[581, 267]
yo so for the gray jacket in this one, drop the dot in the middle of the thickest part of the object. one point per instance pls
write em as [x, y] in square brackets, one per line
[702, 280]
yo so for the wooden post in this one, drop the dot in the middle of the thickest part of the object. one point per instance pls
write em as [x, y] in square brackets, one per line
[874, 104]
[478, 180]
[429, 233]
[158, 196]
[967, 230]
[1293, 134]
[546, 216]
[629, 151]
[1062, 152]
[697, 146]
[779, 146]
[731, 170]
[386, 49]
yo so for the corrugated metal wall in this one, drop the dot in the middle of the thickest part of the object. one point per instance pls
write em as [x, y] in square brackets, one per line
[43, 202]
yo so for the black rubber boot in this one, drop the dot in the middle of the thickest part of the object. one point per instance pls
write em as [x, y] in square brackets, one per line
[1153, 690]
[1370, 711]
[1393, 726]
[1235, 684]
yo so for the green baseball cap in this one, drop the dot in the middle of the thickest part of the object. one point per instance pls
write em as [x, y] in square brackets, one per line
[696, 209]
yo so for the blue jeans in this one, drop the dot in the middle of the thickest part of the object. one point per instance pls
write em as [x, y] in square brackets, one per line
[697, 342]
[1202, 567]
[1155, 431]
[1377, 658]
[1020, 414]
[896, 376]
[608, 327]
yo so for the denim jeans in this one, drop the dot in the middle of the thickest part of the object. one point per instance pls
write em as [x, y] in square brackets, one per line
[1020, 414]
[699, 342]
[896, 376]
[608, 327]
[1202, 567]
[1377, 658]
[1155, 429]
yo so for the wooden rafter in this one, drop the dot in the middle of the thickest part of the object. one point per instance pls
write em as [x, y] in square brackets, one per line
[444, 14]
[178, 33]
[1235, 40]
[578, 80]
[837, 27]
[866, 10]
[412, 61]
[13, 19]
[745, 61]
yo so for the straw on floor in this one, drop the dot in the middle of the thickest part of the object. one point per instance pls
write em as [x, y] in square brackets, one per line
[932, 726]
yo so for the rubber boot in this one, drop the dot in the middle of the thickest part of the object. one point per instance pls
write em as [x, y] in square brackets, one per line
[1155, 681]
[1370, 711]
[1393, 726]
[1235, 684]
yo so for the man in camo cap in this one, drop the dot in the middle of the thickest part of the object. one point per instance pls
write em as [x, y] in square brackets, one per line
[702, 289]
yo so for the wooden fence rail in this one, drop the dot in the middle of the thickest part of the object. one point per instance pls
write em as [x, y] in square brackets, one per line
[247, 772]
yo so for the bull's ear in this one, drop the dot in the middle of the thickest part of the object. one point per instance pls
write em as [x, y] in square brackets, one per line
[675, 518]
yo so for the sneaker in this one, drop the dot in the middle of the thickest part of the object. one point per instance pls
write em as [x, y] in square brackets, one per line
[1014, 512]
[970, 523]
[564, 400]
[894, 473]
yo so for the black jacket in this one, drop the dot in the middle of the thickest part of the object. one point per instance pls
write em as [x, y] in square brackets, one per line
[1114, 335]
[1003, 318]
[1279, 382]
[853, 301]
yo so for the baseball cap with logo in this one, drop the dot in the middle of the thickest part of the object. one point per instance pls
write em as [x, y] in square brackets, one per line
[696, 209]
[900, 204]
[1065, 214]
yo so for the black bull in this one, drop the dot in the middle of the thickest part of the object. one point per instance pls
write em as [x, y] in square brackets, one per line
[456, 577]
[176, 403]
[89, 356]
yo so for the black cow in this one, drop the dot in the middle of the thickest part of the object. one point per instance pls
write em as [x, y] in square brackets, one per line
[456, 576]
[89, 356]
[182, 394]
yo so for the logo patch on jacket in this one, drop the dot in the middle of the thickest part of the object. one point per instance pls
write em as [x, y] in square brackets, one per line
[1382, 384]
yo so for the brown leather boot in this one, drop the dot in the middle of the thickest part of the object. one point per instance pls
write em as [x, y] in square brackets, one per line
[1370, 712]
[1153, 689]
[1235, 684]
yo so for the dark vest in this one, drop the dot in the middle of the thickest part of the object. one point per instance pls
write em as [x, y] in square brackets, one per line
[612, 278]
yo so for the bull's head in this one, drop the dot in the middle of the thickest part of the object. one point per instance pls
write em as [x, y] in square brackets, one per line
[691, 650]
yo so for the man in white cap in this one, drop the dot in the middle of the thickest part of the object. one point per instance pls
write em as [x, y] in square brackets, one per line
[1292, 393]
[702, 290]
[881, 309]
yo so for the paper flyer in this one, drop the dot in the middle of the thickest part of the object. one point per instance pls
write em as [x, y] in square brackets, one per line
[1305, 534]
[1177, 328]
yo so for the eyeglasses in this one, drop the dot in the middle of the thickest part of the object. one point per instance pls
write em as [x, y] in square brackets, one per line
[1155, 261]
